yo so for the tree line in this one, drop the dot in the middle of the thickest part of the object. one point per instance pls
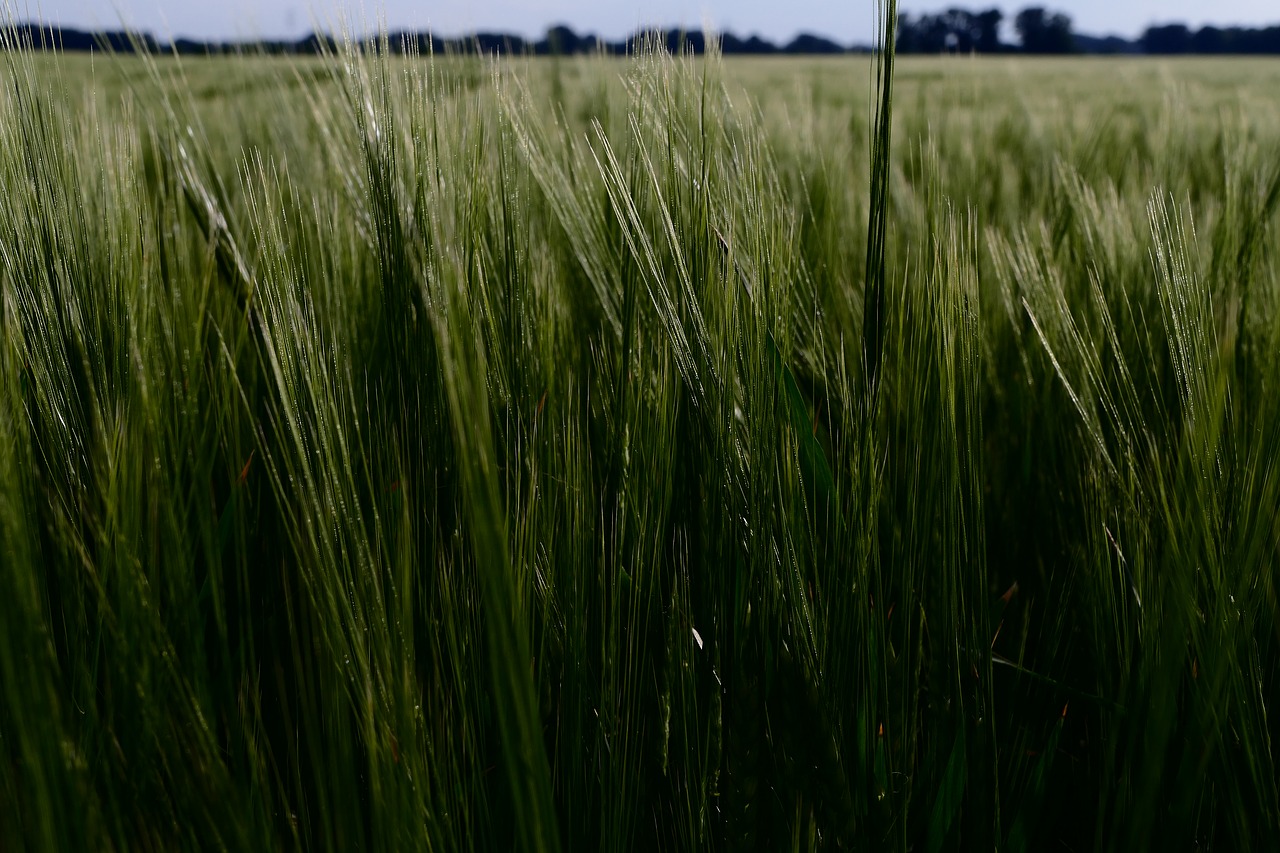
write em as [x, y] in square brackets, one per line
[1038, 30]
[963, 31]
[1178, 38]
[558, 40]
[1041, 31]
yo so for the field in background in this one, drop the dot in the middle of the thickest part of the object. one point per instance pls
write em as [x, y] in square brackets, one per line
[449, 455]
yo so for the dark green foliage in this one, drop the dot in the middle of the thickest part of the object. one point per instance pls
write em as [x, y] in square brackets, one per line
[398, 458]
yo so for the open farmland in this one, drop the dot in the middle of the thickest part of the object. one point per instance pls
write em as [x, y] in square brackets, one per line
[463, 455]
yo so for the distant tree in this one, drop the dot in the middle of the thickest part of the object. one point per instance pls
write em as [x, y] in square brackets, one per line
[1260, 41]
[495, 44]
[1168, 39]
[731, 44]
[925, 34]
[1041, 31]
[1268, 40]
[1207, 40]
[314, 44]
[988, 30]
[934, 33]
[562, 41]
[681, 41]
[905, 40]
[807, 43]
[955, 30]
[1110, 45]
[756, 44]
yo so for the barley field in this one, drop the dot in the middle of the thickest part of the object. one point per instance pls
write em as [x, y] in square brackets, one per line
[442, 453]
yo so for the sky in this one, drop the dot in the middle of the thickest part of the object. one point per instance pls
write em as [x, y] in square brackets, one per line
[845, 21]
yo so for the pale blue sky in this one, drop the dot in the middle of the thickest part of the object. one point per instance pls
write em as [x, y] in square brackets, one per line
[844, 21]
